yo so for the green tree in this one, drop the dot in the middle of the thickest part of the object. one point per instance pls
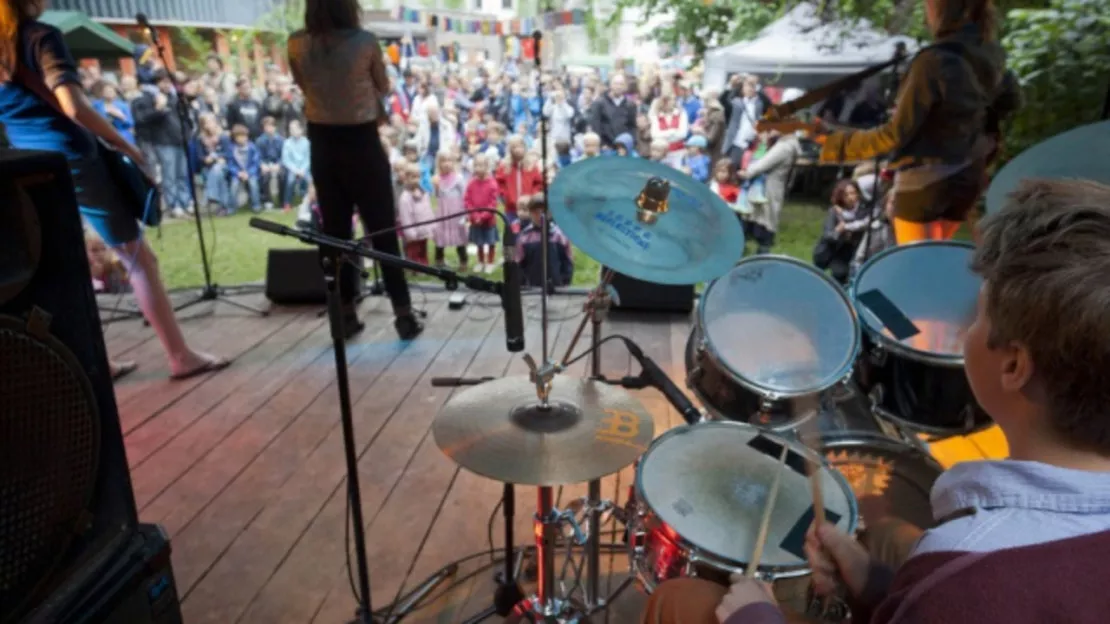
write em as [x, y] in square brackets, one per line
[191, 48]
[1061, 54]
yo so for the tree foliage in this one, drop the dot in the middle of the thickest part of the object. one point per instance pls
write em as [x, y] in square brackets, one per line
[1061, 54]
[191, 48]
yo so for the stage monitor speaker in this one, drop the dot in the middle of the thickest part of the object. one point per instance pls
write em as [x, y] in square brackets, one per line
[294, 276]
[641, 296]
[67, 509]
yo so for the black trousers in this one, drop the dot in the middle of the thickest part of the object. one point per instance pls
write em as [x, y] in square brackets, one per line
[351, 170]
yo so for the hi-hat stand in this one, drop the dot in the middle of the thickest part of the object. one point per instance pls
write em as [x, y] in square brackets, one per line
[209, 291]
[347, 249]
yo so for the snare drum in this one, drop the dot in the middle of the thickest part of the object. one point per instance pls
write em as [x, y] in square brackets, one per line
[915, 304]
[771, 335]
[700, 493]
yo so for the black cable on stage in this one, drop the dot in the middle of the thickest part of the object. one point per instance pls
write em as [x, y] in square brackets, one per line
[594, 348]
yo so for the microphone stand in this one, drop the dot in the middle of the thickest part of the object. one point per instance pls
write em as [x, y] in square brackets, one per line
[210, 291]
[508, 592]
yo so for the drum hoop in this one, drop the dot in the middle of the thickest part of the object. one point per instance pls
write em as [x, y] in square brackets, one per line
[888, 344]
[867, 439]
[842, 373]
[776, 571]
[721, 416]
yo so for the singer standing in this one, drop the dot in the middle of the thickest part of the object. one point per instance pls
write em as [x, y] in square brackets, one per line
[340, 69]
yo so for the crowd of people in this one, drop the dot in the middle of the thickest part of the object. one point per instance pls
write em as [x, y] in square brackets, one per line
[464, 140]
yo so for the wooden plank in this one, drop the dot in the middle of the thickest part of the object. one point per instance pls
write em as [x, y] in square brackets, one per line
[222, 466]
[271, 534]
[412, 521]
[161, 451]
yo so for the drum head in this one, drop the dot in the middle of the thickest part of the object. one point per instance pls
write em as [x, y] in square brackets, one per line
[918, 300]
[780, 326]
[889, 478]
[709, 483]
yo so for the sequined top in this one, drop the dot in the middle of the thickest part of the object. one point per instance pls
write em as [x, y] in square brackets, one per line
[342, 75]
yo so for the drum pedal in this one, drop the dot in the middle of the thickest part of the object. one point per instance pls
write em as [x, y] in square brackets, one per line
[456, 301]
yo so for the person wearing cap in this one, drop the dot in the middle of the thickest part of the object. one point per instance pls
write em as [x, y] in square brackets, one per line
[695, 162]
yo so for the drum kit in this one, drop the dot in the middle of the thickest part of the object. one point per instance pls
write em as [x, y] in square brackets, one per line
[818, 401]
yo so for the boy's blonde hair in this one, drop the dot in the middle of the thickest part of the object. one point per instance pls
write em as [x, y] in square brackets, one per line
[1045, 259]
[591, 137]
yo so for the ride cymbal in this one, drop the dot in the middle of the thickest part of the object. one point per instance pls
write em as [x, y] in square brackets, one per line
[499, 430]
[1079, 153]
[646, 220]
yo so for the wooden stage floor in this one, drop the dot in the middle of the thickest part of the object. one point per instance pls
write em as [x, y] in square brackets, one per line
[245, 468]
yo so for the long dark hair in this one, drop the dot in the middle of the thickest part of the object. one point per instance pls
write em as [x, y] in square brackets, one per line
[12, 13]
[325, 16]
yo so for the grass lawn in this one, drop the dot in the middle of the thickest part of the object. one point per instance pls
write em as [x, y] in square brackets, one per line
[237, 252]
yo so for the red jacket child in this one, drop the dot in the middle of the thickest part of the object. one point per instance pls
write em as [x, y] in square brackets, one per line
[481, 193]
[516, 181]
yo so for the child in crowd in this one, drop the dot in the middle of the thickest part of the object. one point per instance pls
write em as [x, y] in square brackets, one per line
[1000, 523]
[518, 177]
[245, 168]
[296, 162]
[591, 145]
[695, 163]
[624, 145]
[270, 146]
[658, 151]
[495, 141]
[529, 250]
[643, 134]
[414, 206]
[881, 235]
[481, 196]
[450, 192]
[724, 186]
[563, 156]
[108, 274]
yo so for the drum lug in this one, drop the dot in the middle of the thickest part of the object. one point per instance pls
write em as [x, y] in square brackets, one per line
[878, 355]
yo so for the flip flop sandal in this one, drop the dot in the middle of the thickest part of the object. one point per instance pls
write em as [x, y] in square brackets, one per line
[123, 369]
[208, 367]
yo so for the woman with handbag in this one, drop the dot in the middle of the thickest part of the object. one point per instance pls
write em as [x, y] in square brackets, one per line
[341, 69]
[43, 107]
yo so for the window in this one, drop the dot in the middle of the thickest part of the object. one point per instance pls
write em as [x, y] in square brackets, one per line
[507, 5]
[477, 5]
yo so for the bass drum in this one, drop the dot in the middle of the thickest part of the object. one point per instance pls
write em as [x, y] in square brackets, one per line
[771, 336]
[890, 479]
[915, 304]
[700, 493]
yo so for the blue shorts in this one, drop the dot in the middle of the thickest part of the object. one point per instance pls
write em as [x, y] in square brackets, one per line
[102, 204]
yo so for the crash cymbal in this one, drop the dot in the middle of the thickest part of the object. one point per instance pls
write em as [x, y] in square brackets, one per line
[499, 430]
[646, 220]
[1078, 153]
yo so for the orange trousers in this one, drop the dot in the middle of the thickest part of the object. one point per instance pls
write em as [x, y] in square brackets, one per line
[910, 232]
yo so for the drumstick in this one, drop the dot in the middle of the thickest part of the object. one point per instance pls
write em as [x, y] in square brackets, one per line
[765, 523]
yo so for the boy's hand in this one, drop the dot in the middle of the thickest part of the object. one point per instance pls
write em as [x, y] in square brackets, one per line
[836, 559]
[742, 592]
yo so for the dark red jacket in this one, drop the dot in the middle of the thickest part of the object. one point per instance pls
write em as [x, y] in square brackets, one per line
[1059, 582]
[516, 181]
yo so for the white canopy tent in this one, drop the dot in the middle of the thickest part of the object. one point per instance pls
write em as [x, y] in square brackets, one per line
[797, 50]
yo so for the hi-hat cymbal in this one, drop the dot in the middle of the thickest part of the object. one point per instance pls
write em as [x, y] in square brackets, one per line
[1079, 153]
[646, 220]
[500, 431]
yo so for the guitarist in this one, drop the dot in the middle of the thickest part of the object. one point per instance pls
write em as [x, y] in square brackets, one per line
[944, 131]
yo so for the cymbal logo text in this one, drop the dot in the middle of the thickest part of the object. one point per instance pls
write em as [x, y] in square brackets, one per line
[619, 427]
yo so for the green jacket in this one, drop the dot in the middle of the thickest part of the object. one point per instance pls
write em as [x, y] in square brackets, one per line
[948, 95]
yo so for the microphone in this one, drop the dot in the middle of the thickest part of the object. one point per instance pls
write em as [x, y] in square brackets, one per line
[144, 23]
[662, 382]
[510, 295]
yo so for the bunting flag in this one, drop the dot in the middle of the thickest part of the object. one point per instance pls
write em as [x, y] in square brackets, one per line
[525, 26]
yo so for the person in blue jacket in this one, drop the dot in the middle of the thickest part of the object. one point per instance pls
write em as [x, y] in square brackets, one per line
[107, 102]
[244, 165]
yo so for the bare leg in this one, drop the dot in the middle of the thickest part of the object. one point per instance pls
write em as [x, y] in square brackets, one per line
[142, 267]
